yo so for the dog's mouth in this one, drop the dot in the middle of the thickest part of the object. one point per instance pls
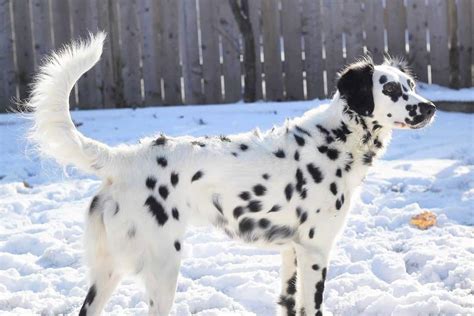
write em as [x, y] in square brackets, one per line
[413, 125]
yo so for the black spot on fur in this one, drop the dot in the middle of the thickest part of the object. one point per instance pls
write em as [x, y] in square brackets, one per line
[279, 153]
[315, 267]
[174, 179]
[163, 190]
[315, 173]
[198, 175]
[217, 204]
[332, 153]
[338, 204]
[289, 191]
[303, 131]
[366, 138]
[311, 233]
[297, 156]
[300, 182]
[288, 302]
[243, 147]
[177, 245]
[341, 132]
[160, 141]
[264, 223]
[224, 138]
[275, 208]
[368, 157]
[355, 86]
[333, 188]
[245, 195]
[175, 213]
[88, 301]
[377, 143]
[150, 182]
[162, 161]
[303, 217]
[291, 288]
[299, 140]
[246, 225]
[254, 206]
[265, 176]
[238, 211]
[198, 143]
[259, 190]
[339, 172]
[132, 231]
[152, 303]
[117, 208]
[235, 154]
[94, 204]
[156, 210]
[383, 79]
[279, 232]
[389, 114]
[318, 296]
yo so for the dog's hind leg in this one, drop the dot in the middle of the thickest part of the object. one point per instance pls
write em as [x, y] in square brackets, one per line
[288, 283]
[160, 277]
[312, 276]
[103, 272]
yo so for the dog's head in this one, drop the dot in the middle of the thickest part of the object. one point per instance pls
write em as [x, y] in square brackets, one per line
[386, 93]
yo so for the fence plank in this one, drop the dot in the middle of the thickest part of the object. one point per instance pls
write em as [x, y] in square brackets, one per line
[293, 66]
[61, 22]
[255, 10]
[24, 45]
[332, 41]
[170, 64]
[374, 29]
[416, 24]
[192, 70]
[149, 23]
[210, 51]
[439, 54]
[395, 23]
[84, 18]
[465, 36]
[130, 52]
[42, 35]
[313, 61]
[353, 29]
[230, 36]
[272, 51]
[7, 69]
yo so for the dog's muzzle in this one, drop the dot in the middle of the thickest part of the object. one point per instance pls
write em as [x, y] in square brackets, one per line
[427, 111]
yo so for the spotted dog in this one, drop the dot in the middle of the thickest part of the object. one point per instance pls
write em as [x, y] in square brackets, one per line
[288, 188]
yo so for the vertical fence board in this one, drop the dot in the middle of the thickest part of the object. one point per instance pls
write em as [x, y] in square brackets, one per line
[84, 18]
[170, 66]
[272, 51]
[130, 52]
[439, 53]
[61, 23]
[293, 66]
[374, 29]
[395, 23]
[332, 41]
[42, 36]
[416, 24]
[149, 23]
[7, 69]
[210, 51]
[465, 37]
[353, 29]
[311, 27]
[230, 36]
[24, 45]
[192, 70]
[255, 10]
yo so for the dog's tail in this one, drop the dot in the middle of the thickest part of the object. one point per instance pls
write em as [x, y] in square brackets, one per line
[53, 130]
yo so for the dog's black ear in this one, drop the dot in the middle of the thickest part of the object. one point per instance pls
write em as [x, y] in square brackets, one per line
[355, 86]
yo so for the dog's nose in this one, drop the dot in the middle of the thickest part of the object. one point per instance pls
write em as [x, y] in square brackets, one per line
[427, 109]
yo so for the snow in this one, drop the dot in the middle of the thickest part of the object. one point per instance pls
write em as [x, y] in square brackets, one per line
[381, 265]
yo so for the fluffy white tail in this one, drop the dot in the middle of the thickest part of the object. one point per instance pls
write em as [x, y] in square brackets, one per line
[53, 130]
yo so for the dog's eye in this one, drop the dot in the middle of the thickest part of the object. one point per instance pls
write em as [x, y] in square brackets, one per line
[391, 87]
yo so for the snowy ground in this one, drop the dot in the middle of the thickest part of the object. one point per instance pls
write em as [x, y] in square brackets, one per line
[381, 266]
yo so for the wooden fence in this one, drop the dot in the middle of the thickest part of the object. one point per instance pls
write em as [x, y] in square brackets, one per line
[162, 52]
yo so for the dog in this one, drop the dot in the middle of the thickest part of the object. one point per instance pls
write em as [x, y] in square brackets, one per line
[288, 188]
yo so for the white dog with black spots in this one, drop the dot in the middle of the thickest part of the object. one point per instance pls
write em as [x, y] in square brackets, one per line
[288, 188]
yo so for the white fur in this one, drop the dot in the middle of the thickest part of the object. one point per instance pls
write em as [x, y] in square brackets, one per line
[124, 237]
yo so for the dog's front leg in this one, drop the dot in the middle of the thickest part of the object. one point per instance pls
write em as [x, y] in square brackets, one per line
[311, 271]
[288, 276]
